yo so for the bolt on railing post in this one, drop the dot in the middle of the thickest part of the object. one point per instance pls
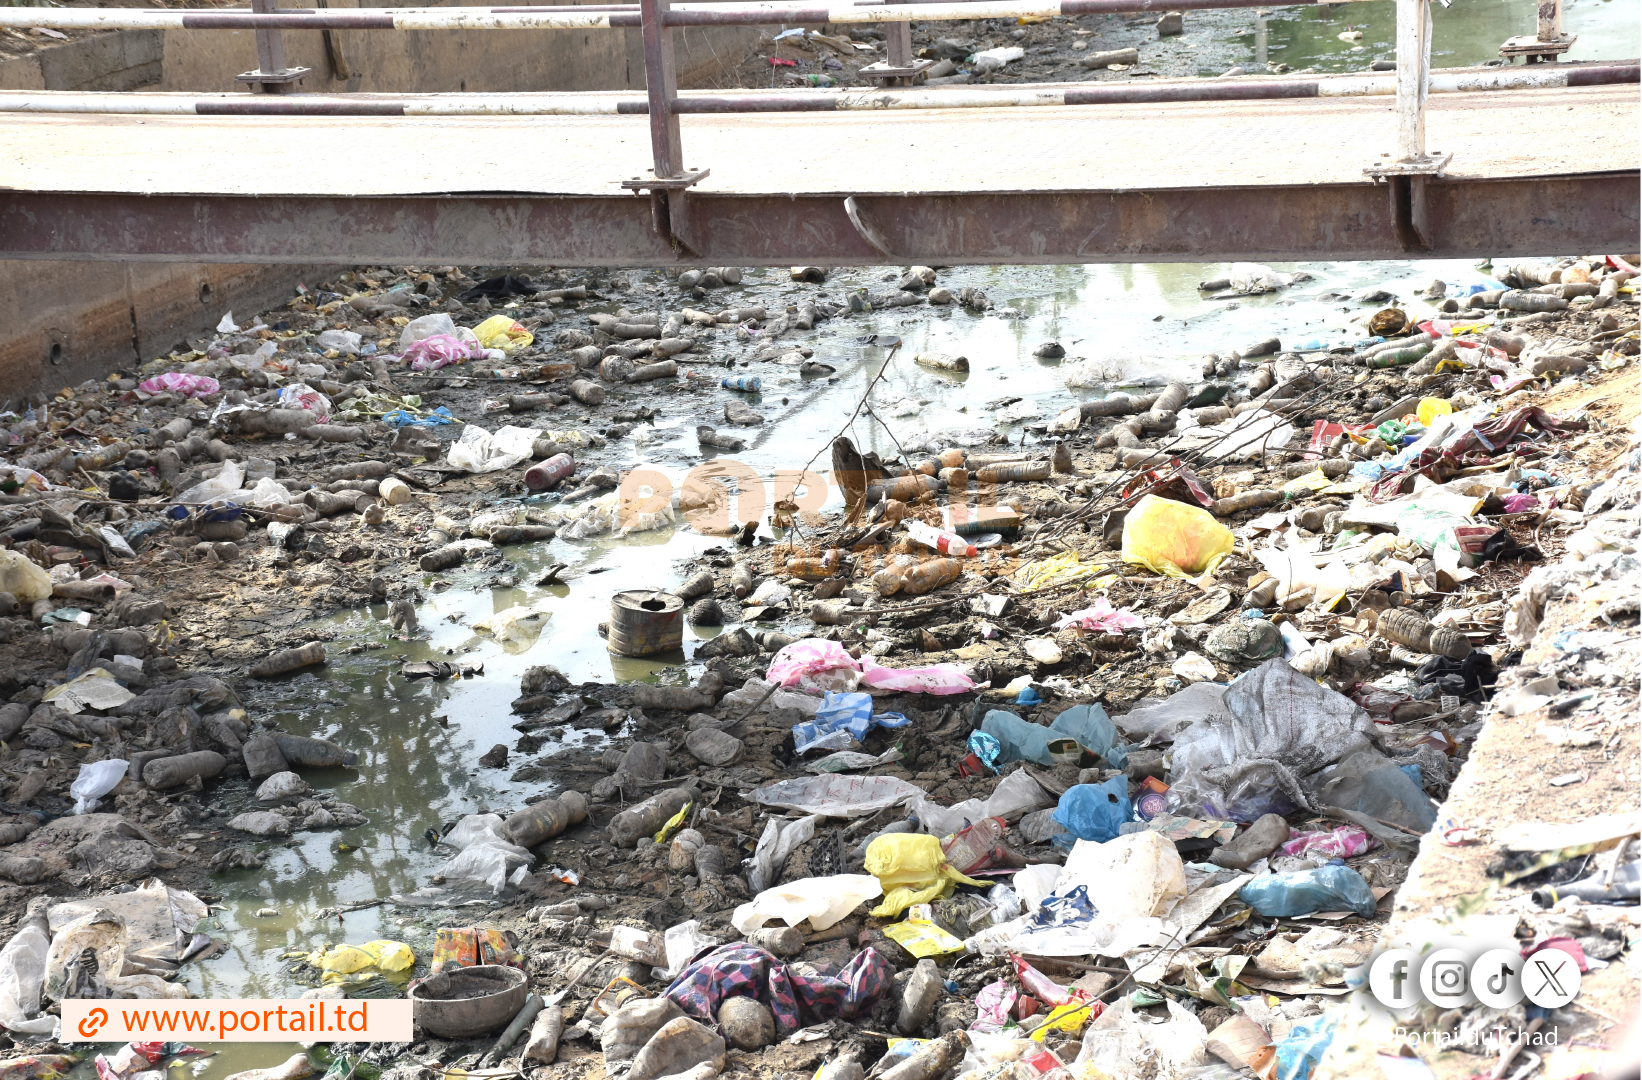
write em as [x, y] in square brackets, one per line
[1413, 76]
[661, 87]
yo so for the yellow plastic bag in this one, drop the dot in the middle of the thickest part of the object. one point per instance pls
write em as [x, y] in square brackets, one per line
[1071, 1017]
[1311, 481]
[912, 869]
[501, 332]
[1173, 538]
[1431, 408]
[1058, 570]
[922, 938]
[348, 959]
[674, 824]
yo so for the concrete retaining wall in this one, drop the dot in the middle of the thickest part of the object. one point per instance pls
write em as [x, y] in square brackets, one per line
[64, 322]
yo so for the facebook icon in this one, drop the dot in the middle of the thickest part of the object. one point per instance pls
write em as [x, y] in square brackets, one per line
[1391, 978]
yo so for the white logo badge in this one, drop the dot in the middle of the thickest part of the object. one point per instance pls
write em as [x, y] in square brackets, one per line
[1445, 979]
[1550, 978]
[1391, 978]
[1496, 978]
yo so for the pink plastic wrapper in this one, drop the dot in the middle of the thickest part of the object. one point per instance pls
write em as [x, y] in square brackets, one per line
[814, 665]
[1101, 618]
[440, 350]
[178, 383]
[1521, 503]
[1342, 841]
[992, 1007]
[936, 679]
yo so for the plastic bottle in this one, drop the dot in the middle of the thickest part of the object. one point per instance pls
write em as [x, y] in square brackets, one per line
[812, 569]
[547, 475]
[979, 847]
[1407, 627]
[648, 816]
[930, 575]
[699, 584]
[918, 1000]
[548, 818]
[543, 1045]
[780, 940]
[1040, 985]
[1017, 470]
[1596, 889]
[289, 660]
[741, 580]
[314, 753]
[636, 944]
[947, 543]
[931, 1059]
[173, 772]
[747, 383]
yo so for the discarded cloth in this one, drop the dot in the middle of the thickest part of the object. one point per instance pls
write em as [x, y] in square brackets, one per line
[742, 970]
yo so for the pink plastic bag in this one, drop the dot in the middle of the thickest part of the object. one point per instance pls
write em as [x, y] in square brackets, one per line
[440, 350]
[936, 679]
[814, 665]
[177, 382]
[1343, 841]
[1100, 617]
[992, 1007]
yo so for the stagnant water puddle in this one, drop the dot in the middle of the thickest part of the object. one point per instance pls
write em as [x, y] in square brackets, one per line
[419, 741]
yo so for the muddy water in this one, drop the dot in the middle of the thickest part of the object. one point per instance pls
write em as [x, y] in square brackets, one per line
[419, 742]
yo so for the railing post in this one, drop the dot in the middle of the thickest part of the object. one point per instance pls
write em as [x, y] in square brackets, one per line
[661, 86]
[669, 189]
[1548, 42]
[1413, 76]
[899, 66]
[271, 76]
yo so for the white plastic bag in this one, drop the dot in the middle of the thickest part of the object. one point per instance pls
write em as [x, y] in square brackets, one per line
[1133, 874]
[837, 796]
[1015, 795]
[517, 628]
[778, 842]
[22, 975]
[770, 591]
[96, 779]
[343, 341]
[478, 451]
[221, 486]
[1167, 715]
[485, 855]
[823, 901]
[427, 326]
[995, 59]
[21, 577]
[753, 690]
[1120, 1043]
[1036, 882]
[265, 492]
[1252, 279]
[681, 943]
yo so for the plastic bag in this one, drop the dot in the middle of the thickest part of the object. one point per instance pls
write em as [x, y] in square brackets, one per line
[1135, 874]
[1340, 842]
[436, 325]
[178, 383]
[911, 869]
[1163, 717]
[779, 841]
[1297, 572]
[814, 665]
[1302, 1049]
[517, 628]
[265, 492]
[1173, 538]
[938, 679]
[96, 779]
[847, 714]
[228, 481]
[343, 341]
[1327, 888]
[1121, 1043]
[348, 959]
[104, 933]
[837, 796]
[22, 578]
[1278, 728]
[478, 451]
[501, 332]
[681, 943]
[1370, 783]
[922, 937]
[822, 901]
[1095, 811]
[1036, 882]
[1015, 795]
[1252, 279]
[752, 692]
[485, 854]
[440, 350]
[1085, 727]
[469, 946]
[22, 975]
[1101, 618]
[300, 395]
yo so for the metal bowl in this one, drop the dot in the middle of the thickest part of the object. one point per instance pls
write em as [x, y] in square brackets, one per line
[462, 1002]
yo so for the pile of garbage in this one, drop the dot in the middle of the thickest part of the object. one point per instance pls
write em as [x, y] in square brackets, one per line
[1110, 753]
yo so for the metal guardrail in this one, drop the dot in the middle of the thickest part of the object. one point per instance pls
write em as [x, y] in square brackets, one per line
[1405, 172]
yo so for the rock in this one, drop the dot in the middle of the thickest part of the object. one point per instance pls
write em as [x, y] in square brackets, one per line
[747, 1023]
[262, 823]
[283, 785]
[1171, 24]
[1253, 844]
[712, 747]
[262, 757]
[495, 757]
[677, 1046]
[736, 642]
[1049, 350]
[1244, 641]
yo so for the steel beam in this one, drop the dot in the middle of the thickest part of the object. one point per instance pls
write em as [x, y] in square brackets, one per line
[1465, 219]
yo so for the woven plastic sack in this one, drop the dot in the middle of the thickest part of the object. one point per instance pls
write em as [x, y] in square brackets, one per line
[1174, 539]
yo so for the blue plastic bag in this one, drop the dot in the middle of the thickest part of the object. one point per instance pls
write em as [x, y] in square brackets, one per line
[1086, 725]
[1096, 811]
[1327, 888]
[848, 716]
[1303, 1047]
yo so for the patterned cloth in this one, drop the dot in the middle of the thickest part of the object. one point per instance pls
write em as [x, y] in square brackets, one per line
[742, 970]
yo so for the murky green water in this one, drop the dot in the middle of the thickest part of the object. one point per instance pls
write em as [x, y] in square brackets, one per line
[1466, 34]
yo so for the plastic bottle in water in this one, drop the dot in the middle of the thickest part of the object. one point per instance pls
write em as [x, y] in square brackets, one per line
[947, 543]
[749, 383]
